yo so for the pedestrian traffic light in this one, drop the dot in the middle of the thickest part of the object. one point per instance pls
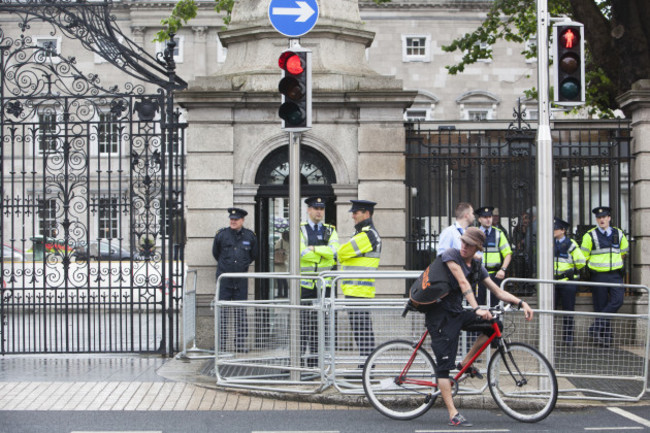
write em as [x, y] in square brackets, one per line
[569, 63]
[295, 87]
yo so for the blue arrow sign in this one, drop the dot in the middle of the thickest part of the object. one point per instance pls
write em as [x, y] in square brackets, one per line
[293, 18]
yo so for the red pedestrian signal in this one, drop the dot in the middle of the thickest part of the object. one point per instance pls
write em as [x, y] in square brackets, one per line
[295, 87]
[569, 64]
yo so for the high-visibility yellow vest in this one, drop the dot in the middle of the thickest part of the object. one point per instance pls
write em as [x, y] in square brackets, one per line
[323, 258]
[496, 248]
[567, 256]
[604, 253]
[360, 254]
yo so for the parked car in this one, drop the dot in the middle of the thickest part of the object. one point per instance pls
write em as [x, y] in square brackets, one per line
[9, 253]
[102, 250]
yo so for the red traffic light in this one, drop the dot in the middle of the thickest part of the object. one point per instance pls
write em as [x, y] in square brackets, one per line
[291, 62]
[569, 38]
[569, 63]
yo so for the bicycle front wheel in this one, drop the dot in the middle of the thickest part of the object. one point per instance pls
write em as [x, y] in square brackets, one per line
[396, 395]
[522, 382]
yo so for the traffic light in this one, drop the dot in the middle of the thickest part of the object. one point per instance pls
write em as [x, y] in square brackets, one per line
[569, 63]
[295, 87]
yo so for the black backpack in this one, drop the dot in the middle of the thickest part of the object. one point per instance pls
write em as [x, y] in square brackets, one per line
[430, 287]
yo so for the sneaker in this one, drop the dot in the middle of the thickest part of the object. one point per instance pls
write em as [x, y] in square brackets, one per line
[459, 421]
[472, 371]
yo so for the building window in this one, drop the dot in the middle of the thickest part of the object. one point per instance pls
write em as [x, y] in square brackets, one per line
[46, 132]
[178, 49]
[107, 218]
[52, 47]
[109, 48]
[477, 115]
[416, 48]
[487, 49]
[531, 47]
[416, 115]
[47, 217]
[108, 133]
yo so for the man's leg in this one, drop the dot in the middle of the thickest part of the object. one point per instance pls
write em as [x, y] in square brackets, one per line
[568, 301]
[599, 296]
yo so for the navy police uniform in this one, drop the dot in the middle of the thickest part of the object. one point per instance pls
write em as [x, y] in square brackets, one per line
[234, 251]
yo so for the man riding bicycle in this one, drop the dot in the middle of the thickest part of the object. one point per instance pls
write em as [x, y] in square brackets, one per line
[448, 318]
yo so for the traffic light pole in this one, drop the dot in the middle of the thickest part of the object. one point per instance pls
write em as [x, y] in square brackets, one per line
[544, 184]
[294, 250]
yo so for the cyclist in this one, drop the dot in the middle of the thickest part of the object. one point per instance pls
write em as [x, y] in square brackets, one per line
[447, 318]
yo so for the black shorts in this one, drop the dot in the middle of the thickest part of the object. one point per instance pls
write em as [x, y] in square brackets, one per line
[444, 328]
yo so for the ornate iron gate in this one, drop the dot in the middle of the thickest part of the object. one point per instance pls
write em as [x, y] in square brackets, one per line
[92, 190]
[497, 168]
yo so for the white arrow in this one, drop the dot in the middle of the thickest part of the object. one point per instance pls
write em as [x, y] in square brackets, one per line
[304, 11]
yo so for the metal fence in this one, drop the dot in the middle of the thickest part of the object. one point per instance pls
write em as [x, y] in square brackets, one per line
[584, 369]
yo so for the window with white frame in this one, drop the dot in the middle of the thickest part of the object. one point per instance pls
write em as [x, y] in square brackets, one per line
[417, 115]
[478, 115]
[486, 47]
[531, 45]
[178, 49]
[416, 48]
[108, 218]
[108, 133]
[98, 57]
[51, 45]
[46, 132]
[47, 217]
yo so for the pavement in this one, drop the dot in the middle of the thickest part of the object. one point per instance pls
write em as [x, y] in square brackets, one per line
[129, 383]
[154, 383]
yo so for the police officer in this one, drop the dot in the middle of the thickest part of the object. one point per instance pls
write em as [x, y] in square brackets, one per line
[318, 245]
[234, 249]
[605, 248]
[361, 254]
[568, 259]
[497, 253]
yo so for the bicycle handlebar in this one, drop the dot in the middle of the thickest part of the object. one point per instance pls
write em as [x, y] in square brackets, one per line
[496, 310]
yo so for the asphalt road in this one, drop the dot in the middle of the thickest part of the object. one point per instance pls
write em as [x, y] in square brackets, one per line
[600, 419]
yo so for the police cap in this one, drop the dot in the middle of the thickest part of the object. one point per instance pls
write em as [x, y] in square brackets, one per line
[559, 224]
[235, 213]
[484, 211]
[316, 202]
[363, 205]
[602, 211]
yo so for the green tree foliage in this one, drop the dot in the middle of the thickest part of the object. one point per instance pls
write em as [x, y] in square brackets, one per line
[617, 36]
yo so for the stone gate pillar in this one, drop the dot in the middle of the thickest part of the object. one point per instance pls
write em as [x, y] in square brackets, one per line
[637, 102]
[233, 124]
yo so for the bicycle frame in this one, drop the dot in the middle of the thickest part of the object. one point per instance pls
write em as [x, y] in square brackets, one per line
[401, 379]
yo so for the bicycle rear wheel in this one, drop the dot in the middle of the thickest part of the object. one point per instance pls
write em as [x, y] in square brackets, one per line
[522, 382]
[385, 390]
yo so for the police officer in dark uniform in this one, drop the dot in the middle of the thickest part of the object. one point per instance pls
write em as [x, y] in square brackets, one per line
[234, 249]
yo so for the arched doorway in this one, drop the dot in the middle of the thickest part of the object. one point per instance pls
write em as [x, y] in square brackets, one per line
[272, 211]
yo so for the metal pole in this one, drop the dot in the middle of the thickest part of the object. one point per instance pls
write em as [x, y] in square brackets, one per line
[544, 184]
[294, 250]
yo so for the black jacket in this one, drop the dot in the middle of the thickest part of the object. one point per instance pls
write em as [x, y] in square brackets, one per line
[234, 251]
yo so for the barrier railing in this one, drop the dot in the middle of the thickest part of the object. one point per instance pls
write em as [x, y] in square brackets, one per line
[585, 370]
[588, 368]
[189, 322]
[264, 356]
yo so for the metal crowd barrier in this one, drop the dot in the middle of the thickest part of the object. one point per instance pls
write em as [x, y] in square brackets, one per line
[585, 370]
[267, 358]
[189, 322]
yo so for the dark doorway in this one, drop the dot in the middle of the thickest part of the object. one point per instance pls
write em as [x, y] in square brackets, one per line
[272, 209]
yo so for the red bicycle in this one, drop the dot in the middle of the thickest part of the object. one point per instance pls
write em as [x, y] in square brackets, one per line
[399, 377]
